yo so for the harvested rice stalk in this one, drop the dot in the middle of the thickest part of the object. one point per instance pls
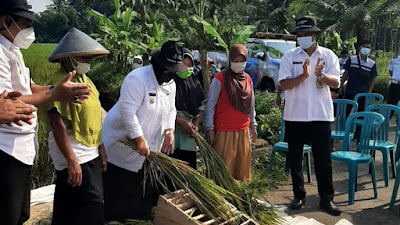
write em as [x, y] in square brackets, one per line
[208, 197]
[217, 170]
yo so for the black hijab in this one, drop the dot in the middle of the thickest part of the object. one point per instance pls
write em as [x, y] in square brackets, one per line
[189, 93]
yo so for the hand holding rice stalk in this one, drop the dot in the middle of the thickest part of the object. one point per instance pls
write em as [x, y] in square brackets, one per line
[209, 197]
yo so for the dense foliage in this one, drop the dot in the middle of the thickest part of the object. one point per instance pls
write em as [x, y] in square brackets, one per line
[378, 20]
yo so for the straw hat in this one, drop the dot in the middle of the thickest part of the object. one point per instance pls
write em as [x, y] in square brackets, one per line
[77, 43]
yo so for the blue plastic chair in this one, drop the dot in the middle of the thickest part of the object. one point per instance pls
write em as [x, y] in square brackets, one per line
[283, 147]
[396, 182]
[371, 121]
[340, 117]
[370, 98]
[382, 144]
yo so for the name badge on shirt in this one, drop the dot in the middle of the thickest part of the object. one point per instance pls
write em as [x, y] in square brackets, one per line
[297, 62]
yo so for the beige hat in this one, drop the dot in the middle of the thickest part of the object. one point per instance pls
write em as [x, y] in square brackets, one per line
[77, 43]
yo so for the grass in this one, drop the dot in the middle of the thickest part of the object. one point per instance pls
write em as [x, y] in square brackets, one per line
[41, 70]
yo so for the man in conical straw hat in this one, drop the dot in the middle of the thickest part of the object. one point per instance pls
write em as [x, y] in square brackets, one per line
[75, 143]
[17, 142]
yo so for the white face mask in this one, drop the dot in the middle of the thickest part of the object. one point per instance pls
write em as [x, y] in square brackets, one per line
[305, 42]
[82, 68]
[365, 51]
[238, 67]
[24, 38]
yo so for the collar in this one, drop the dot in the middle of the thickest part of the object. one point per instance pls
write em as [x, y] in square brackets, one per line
[153, 77]
[366, 59]
[5, 42]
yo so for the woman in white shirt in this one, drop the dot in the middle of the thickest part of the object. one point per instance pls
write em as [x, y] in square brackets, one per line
[146, 113]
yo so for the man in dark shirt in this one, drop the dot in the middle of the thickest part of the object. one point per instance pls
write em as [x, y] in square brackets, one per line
[360, 73]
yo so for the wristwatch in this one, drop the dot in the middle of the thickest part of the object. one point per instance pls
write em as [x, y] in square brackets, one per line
[321, 76]
[169, 132]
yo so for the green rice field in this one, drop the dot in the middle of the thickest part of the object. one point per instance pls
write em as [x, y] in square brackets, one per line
[36, 59]
[41, 70]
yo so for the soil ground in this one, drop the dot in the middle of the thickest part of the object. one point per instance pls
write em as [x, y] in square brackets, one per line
[366, 209]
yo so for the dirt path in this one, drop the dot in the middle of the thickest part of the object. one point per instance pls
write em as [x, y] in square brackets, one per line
[38, 212]
[366, 209]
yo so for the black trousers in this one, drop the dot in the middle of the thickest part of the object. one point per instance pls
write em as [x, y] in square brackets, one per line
[124, 196]
[15, 190]
[185, 155]
[394, 94]
[317, 134]
[80, 205]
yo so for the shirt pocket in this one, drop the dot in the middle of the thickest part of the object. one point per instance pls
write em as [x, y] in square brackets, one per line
[297, 69]
[151, 100]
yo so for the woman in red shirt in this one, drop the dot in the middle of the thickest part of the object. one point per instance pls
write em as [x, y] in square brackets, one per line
[229, 114]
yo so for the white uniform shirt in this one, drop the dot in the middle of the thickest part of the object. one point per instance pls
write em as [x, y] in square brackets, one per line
[82, 152]
[17, 141]
[394, 66]
[144, 109]
[306, 102]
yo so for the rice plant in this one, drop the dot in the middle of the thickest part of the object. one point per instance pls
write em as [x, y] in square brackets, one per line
[208, 197]
[216, 169]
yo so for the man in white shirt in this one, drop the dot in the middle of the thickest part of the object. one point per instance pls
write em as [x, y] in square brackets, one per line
[17, 145]
[306, 74]
[146, 113]
[394, 88]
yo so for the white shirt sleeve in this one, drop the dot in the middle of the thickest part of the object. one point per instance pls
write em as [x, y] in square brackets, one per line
[285, 69]
[333, 66]
[5, 74]
[212, 99]
[252, 116]
[391, 65]
[132, 95]
[172, 113]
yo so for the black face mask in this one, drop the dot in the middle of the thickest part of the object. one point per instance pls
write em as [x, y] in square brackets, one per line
[163, 75]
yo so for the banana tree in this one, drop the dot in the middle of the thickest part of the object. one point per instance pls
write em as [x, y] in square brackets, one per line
[199, 8]
[239, 37]
[118, 34]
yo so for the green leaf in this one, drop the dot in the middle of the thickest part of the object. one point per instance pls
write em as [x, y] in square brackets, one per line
[117, 11]
[101, 17]
[242, 36]
[156, 31]
[265, 48]
[211, 30]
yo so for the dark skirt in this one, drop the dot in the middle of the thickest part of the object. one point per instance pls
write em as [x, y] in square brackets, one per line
[124, 195]
[80, 205]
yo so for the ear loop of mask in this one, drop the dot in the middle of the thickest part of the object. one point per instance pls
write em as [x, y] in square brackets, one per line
[73, 62]
[8, 25]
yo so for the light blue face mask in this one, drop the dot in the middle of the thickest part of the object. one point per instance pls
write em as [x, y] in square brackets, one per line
[365, 51]
[305, 42]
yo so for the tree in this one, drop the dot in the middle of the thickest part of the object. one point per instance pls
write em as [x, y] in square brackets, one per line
[119, 34]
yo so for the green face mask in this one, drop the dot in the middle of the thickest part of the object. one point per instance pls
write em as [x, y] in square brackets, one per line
[186, 74]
